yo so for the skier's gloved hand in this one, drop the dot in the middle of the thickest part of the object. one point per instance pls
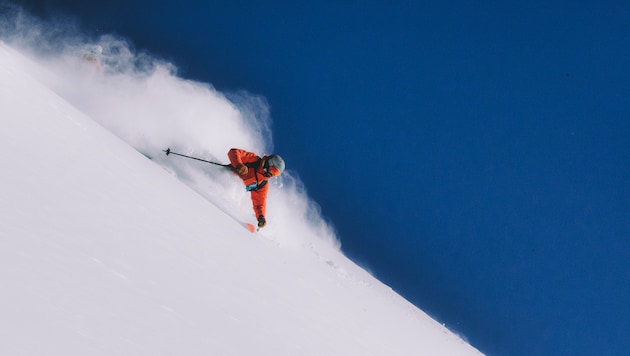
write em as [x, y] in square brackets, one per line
[241, 169]
[261, 221]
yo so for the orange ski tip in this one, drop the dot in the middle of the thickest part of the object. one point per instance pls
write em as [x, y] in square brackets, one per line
[251, 228]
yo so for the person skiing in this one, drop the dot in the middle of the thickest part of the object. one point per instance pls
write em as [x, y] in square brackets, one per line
[92, 56]
[255, 172]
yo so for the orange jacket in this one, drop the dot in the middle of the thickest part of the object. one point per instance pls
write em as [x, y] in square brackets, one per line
[254, 180]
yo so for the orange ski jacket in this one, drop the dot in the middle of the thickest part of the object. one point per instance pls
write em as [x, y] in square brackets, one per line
[254, 180]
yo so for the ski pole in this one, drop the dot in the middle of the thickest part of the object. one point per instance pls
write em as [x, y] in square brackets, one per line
[169, 152]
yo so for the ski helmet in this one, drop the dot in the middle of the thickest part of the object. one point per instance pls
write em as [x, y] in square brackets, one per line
[275, 165]
[97, 49]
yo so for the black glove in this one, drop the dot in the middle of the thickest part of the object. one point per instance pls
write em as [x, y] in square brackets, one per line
[261, 221]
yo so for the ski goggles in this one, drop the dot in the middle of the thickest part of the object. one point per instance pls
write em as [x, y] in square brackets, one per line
[270, 171]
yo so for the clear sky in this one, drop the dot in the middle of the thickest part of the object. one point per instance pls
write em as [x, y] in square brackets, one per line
[473, 155]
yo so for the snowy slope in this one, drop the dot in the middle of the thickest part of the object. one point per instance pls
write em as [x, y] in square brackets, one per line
[106, 252]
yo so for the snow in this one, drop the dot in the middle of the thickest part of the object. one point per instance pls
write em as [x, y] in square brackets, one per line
[108, 247]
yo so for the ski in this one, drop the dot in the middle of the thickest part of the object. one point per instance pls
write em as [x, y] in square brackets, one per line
[250, 227]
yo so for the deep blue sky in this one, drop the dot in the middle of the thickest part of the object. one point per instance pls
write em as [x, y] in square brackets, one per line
[474, 155]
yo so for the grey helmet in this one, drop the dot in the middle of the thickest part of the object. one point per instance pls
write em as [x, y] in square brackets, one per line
[96, 50]
[276, 161]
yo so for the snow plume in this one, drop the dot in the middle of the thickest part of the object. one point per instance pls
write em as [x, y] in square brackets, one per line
[140, 98]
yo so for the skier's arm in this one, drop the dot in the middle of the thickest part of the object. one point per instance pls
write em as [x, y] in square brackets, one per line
[238, 157]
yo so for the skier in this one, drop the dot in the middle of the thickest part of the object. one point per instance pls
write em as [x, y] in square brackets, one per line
[255, 171]
[92, 56]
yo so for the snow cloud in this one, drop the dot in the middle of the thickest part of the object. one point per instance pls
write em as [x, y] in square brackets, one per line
[140, 99]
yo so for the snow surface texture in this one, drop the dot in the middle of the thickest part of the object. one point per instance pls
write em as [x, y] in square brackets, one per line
[103, 250]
